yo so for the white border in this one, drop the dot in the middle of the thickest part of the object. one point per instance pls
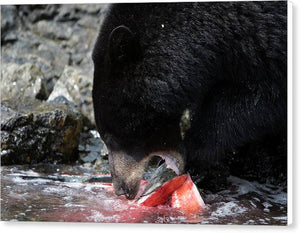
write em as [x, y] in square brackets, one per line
[15, 2]
[290, 114]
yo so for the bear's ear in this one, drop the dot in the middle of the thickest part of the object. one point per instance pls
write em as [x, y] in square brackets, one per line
[123, 45]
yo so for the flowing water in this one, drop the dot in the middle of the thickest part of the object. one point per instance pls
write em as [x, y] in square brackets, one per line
[65, 193]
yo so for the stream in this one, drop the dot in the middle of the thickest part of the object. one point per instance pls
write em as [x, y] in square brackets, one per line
[68, 193]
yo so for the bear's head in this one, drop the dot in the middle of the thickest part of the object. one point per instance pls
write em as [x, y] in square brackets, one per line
[142, 89]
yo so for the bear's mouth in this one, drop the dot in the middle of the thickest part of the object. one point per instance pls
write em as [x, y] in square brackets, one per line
[127, 172]
[159, 172]
[171, 160]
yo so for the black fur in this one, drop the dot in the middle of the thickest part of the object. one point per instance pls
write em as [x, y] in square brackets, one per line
[225, 62]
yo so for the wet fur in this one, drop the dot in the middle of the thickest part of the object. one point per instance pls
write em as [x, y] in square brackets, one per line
[225, 62]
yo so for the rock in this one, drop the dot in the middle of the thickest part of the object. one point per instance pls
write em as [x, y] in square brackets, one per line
[75, 86]
[54, 54]
[51, 37]
[51, 30]
[80, 48]
[9, 37]
[21, 81]
[8, 16]
[63, 100]
[90, 8]
[93, 152]
[83, 59]
[45, 46]
[48, 72]
[49, 56]
[33, 131]
[89, 22]
[8, 23]
[76, 12]
[90, 157]
[34, 13]
[91, 142]
[68, 13]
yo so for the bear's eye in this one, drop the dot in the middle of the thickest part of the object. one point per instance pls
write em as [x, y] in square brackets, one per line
[123, 45]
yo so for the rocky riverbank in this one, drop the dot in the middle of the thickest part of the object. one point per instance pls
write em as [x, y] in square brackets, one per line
[46, 84]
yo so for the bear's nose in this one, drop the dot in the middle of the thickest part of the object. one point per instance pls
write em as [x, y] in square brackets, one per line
[119, 191]
[130, 195]
[124, 190]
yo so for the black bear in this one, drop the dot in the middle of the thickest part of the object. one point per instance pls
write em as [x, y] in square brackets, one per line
[191, 83]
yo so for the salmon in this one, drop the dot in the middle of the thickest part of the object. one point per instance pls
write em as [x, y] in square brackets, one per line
[180, 193]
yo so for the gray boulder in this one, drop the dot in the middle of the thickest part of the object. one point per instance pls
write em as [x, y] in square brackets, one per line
[51, 30]
[22, 80]
[75, 86]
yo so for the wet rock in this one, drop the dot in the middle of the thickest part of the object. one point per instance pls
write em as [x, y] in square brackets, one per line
[21, 81]
[33, 131]
[75, 86]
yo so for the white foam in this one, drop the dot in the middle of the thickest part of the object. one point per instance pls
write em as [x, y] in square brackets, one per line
[99, 217]
[229, 209]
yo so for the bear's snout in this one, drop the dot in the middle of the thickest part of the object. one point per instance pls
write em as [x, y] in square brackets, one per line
[127, 171]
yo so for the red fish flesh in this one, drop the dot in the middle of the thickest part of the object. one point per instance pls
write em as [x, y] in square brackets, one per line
[180, 193]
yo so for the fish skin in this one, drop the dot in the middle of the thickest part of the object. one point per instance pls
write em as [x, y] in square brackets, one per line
[161, 175]
[163, 194]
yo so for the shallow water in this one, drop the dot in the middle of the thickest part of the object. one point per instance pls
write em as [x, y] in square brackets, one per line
[47, 198]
